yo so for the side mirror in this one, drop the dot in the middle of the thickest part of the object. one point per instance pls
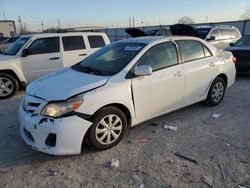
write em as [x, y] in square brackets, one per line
[143, 70]
[231, 44]
[211, 38]
[25, 53]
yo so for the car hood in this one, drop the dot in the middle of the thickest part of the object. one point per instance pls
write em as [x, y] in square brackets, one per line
[7, 57]
[64, 84]
[177, 29]
[238, 48]
[184, 30]
[133, 32]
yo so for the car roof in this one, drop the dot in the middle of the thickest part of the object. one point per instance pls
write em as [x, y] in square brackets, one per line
[63, 34]
[151, 39]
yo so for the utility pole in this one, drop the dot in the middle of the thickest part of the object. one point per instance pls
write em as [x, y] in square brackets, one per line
[58, 21]
[20, 22]
[133, 21]
[129, 21]
[42, 26]
[4, 17]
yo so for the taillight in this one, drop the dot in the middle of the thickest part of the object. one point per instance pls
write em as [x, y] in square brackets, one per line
[234, 60]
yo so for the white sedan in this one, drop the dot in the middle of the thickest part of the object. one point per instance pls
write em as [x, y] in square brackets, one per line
[119, 86]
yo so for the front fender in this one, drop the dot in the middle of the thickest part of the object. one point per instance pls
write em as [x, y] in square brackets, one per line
[14, 66]
[111, 93]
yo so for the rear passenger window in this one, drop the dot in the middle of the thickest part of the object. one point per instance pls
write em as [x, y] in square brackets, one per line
[160, 56]
[44, 45]
[191, 50]
[96, 41]
[73, 43]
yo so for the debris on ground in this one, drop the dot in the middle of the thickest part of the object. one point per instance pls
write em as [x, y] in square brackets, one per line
[222, 171]
[170, 161]
[154, 124]
[52, 172]
[138, 141]
[204, 122]
[208, 180]
[216, 115]
[114, 163]
[142, 185]
[185, 157]
[245, 185]
[169, 127]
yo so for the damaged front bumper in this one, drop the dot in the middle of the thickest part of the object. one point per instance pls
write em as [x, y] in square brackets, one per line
[61, 136]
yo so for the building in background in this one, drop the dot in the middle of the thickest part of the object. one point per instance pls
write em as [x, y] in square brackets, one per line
[7, 28]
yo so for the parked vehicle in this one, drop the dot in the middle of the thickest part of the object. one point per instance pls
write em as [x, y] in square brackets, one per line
[4, 45]
[121, 85]
[2, 39]
[241, 50]
[219, 36]
[32, 56]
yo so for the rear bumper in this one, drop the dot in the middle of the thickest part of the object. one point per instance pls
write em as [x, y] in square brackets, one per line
[62, 136]
[243, 67]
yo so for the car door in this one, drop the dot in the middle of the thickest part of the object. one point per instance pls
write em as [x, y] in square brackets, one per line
[74, 49]
[163, 90]
[199, 68]
[43, 56]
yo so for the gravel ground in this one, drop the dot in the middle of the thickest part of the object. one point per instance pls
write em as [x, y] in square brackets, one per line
[150, 164]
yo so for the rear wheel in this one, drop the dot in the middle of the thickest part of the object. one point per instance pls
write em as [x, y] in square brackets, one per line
[8, 86]
[109, 127]
[216, 92]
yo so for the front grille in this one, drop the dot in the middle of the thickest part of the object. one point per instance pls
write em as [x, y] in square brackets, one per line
[33, 104]
[242, 55]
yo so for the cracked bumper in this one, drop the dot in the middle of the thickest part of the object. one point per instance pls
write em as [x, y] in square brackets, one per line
[69, 132]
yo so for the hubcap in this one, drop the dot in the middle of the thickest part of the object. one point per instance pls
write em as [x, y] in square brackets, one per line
[108, 129]
[218, 92]
[6, 87]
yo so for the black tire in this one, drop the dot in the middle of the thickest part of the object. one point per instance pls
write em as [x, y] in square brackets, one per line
[103, 113]
[13, 87]
[212, 100]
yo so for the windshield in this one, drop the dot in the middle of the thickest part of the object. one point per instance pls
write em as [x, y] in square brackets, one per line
[203, 32]
[244, 41]
[16, 46]
[109, 60]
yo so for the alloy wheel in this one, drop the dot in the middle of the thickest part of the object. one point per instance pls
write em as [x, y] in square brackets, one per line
[6, 87]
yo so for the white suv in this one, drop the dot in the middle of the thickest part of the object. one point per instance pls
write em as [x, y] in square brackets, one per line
[121, 85]
[32, 56]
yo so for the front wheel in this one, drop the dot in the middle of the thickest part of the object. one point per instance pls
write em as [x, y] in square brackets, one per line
[109, 127]
[216, 92]
[8, 86]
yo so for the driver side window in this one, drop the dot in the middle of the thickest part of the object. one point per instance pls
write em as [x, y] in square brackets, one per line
[44, 45]
[160, 56]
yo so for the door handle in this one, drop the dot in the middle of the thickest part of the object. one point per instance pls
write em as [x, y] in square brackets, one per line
[179, 73]
[82, 54]
[54, 58]
[212, 64]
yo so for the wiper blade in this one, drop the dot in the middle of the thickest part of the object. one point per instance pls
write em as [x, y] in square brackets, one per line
[91, 69]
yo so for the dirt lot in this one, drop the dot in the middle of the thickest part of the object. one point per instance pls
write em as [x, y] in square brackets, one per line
[150, 164]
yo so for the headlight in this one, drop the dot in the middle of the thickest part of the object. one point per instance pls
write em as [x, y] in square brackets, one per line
[58, 109]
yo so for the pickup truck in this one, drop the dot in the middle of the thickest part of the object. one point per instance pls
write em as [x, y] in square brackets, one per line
[32, 56]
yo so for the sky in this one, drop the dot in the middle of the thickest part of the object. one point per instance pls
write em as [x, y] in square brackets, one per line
[116, 13]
